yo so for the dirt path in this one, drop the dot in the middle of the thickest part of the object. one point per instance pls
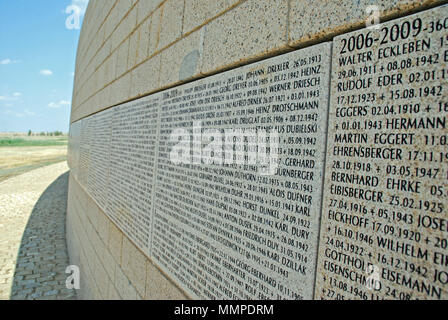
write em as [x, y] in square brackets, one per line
[18, 160]
[33, 252]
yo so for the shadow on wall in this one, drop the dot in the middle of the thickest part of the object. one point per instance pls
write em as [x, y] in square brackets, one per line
[43, 257]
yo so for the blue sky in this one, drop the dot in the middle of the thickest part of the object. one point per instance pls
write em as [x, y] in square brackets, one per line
[37, 64]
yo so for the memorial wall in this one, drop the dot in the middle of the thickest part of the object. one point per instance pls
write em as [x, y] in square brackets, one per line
[320, 173]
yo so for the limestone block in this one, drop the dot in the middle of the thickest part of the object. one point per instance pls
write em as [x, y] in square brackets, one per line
[182, 61]
[122, 59]
[321, 19]
[143, 41]
[124, 286]
[125, 28]
[133, 49]
[198, 12]
[133, 263]
[112, 293]
[171, 25]
[103, 226]
[155, 28]
[158, 287]
[145, 8]
[145, 78]
[108, 262]
[252, 29]
[119, 90]
[115, 242]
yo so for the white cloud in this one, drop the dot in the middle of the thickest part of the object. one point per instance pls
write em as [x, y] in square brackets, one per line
[25, 113]
[29, 113]
[15, 96]
[46, 72]
[55, 105]
[8, 61]
[14, 114]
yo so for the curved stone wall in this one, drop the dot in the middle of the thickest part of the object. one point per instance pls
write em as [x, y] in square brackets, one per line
[122, 42]
[130, 49]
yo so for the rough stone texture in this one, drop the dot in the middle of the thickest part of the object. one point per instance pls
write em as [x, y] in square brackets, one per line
[145, 77]
[251, 30]
[199, 12]
[133, 49]
[143, 38]
[145, 8]
[33, 251]
[155, 31]
[134, 262]
[122, 59]
[119, 90]
[158, 287]
[233, 33]
[316, 19]
[171, 23]
[173, 60]
[115, 242]
[126, 25]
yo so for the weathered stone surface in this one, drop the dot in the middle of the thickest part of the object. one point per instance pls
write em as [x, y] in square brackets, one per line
[171, 22]
[198, 12]
[145, 8]
[311, 20]
[145, 77]
[248, 31]
[182, 60]
[384, 216]
[158, 287]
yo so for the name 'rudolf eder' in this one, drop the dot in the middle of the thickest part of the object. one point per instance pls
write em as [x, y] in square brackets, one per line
[232, 146]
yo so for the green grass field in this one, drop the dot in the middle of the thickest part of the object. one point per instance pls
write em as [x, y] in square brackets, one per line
[21, 142]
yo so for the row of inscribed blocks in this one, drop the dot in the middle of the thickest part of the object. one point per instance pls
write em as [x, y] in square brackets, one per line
[111, 266]
[219, 35]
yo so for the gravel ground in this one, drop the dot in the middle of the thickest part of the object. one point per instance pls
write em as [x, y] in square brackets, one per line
[33, 251]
